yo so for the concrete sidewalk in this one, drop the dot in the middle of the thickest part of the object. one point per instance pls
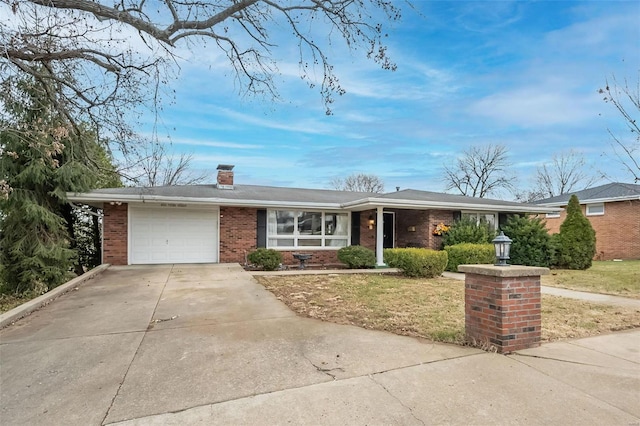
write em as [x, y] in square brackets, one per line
[572, 294]
[205, 344]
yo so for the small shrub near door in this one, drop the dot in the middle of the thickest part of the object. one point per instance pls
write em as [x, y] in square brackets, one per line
[267, 259]
[417, 262]
[469, 254]
[357, 257]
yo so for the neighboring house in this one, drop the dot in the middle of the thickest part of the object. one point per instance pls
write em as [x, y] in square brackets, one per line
[225, 221]
[614, 213]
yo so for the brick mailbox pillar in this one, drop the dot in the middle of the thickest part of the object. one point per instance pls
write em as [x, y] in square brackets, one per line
[502, 306]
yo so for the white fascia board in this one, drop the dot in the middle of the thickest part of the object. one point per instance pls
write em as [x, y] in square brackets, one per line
[595, 201]
[413, 204]
[134, 198]
[352, 205]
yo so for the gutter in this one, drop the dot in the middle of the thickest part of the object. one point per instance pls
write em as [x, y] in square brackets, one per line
[361, 204]
[595, 200]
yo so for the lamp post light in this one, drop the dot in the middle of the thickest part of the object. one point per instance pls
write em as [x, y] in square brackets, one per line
[502, 244]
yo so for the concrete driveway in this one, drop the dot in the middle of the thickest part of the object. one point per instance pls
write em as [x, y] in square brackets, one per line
[205, 344]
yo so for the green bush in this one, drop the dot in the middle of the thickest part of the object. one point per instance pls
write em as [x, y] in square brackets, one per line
[576, 240]
[531, 242]
[468, 230]
[469, 254]
[267, 259]
[357, 257]
[416, 262]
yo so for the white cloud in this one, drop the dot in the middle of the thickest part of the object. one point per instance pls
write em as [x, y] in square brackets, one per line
[534, 106]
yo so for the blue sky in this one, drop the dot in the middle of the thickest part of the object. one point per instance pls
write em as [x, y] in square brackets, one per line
[521, 74]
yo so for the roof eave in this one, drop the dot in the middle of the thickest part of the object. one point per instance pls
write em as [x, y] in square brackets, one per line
[594, 200]
[441, 205]
[95, 198]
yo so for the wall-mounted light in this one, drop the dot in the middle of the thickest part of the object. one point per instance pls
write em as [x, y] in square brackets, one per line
[372, 221]
[411, 229]
[502, 244]
[115, 203]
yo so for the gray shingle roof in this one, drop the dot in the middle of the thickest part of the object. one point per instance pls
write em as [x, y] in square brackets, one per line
[615, 190]
[243, 192]
[279, 196]
[416, 195]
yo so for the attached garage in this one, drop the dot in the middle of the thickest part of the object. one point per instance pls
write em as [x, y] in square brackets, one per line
[173, 233]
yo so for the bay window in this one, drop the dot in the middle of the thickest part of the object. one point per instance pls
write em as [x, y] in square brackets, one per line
[297, 228]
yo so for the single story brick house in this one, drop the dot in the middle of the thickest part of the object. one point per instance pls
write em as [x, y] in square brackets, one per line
[614, 212]
[224, 222]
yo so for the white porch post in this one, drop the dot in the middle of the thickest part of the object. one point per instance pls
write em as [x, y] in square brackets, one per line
[379, 238]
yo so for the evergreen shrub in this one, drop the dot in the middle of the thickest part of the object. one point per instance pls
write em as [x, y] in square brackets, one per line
[576, 240]
[468, 230]
[417, 262]
[531, 244]
[267, 259]
[357, 257]
[469, 254]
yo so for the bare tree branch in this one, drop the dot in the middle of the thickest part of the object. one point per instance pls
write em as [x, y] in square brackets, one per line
[153, 165]
[359, 182]
[565, 173]
[626, 100]
[480, 172]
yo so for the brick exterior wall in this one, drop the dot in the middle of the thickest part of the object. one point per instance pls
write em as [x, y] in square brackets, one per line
[424, 222]
[114, 231]
[367, 236]
[238, 238]
[238, 233]
[503, 311]
[617, 231]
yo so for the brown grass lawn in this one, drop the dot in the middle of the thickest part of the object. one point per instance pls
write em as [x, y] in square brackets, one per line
[608, 277]
[428, 308]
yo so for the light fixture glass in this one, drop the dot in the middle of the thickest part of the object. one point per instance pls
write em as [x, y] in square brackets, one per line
[502, 244]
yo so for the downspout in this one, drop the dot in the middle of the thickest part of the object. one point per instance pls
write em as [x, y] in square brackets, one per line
[380, 238]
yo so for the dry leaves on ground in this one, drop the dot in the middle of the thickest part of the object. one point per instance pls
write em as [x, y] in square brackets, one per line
[428, 308]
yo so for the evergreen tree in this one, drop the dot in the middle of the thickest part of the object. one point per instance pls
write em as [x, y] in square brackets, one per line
[40, 161]
[576, 240]
[531, 244]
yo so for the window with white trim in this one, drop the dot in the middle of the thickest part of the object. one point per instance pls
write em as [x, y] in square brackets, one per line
[490, 218]
[595, 209]
[298, 229]
[553, 215]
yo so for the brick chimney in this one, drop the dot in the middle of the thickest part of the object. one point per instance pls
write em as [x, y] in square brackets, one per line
[225, 176]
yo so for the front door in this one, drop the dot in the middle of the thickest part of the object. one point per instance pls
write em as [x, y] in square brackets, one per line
[389, 229]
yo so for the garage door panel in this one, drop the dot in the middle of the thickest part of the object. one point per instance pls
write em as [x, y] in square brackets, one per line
[173, 235]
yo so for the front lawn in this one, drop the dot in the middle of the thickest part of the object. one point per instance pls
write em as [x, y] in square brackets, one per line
[607, 277]
[428, 308]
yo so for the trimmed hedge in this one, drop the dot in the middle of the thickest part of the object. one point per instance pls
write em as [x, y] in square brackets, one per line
[469, 254]
[267, 259]
[357, 257]
[417, 262]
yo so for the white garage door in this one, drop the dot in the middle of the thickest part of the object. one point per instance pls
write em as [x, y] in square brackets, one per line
[172, 235]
